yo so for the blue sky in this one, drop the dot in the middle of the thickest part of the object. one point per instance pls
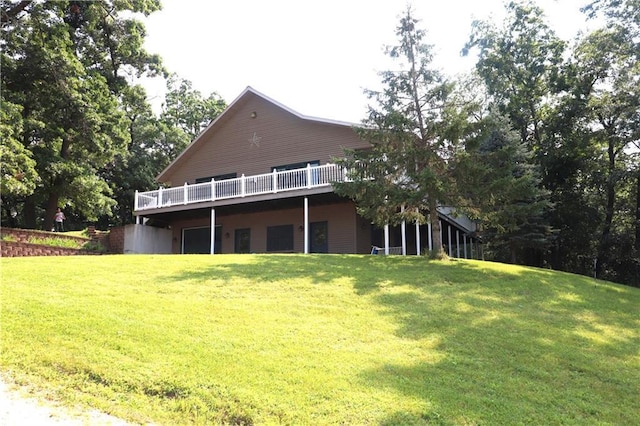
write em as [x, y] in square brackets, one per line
[314, 57]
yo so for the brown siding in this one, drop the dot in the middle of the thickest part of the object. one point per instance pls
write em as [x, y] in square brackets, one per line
[341, 217]
[284, 139]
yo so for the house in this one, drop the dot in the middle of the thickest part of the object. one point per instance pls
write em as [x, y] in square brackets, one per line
[258, 179]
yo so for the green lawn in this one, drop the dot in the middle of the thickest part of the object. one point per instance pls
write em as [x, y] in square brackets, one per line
[321, 339]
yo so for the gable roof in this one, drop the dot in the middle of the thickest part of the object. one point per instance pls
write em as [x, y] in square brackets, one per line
[249, 91]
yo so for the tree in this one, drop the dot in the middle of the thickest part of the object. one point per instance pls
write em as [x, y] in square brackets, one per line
[19, 177]
[406, 169]
[613, 112]
[187, 109]
[502, 191]
[520, 64]
[64, 65]
[155, 141]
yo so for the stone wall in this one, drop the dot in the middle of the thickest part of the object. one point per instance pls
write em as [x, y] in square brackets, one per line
[19, 244]
[15, 249]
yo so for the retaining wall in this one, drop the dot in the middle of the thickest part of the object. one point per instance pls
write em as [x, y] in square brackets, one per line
[21, 246]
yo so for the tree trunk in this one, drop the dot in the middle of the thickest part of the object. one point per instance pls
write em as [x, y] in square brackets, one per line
[29, 213]
[438, 251]
[611, 196]
[52, 205]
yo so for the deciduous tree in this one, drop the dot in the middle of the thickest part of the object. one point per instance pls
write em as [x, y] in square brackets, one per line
[64, 65]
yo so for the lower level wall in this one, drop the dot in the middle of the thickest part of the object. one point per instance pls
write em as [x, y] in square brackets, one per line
[345, 228]
[140, 239]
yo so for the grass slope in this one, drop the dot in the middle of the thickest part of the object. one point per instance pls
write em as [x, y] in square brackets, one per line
[321, 339]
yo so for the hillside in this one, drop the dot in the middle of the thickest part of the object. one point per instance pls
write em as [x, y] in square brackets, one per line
[321, 339]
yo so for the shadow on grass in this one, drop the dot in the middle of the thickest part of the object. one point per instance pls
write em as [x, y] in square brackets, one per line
[519, 345]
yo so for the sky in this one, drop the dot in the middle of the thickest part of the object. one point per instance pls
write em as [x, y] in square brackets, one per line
[315, 57]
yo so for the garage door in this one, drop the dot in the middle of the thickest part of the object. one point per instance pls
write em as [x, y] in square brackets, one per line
[198, 240]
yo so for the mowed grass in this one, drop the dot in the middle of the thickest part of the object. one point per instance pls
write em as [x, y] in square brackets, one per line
[321, 339]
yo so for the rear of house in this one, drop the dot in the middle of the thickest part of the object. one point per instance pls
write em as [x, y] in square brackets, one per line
[258, 179]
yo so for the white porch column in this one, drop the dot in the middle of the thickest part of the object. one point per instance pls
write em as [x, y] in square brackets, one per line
[450, 248]
[213, 231]
[403, 230]
[464, 237]
[386, 239]
[306, 225]
[137, 220]
[458, 243]
[430, 236]
[417, 238]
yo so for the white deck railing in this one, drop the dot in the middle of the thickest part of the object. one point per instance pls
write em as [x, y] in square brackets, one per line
[244, 186]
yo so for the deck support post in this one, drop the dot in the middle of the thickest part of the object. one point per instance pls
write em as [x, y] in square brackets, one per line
[464, 237]
[403, 231]
[306, 225]
[386, 239]
[213, 231]
[417, 238]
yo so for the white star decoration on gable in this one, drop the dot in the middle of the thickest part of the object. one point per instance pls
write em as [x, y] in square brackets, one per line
[255, 140]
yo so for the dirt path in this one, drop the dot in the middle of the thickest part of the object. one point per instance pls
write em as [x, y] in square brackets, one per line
[18, 409]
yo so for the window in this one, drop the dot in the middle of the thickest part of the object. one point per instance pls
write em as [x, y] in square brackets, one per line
[280, 238]
[294, 166]
[217, 177]
[242, 241]
[297, 179]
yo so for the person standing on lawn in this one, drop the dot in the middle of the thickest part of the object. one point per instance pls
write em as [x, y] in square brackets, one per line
[58, 220]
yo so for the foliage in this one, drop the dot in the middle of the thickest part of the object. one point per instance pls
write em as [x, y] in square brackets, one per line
[520, 64]
[155, 141]
[19, 177]
[94, 246]
[64, 65]
[497, 177]
[55, 242]
[405, 171]
[186, 109]
[383, 340]
[577, 109]
[607, 70]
